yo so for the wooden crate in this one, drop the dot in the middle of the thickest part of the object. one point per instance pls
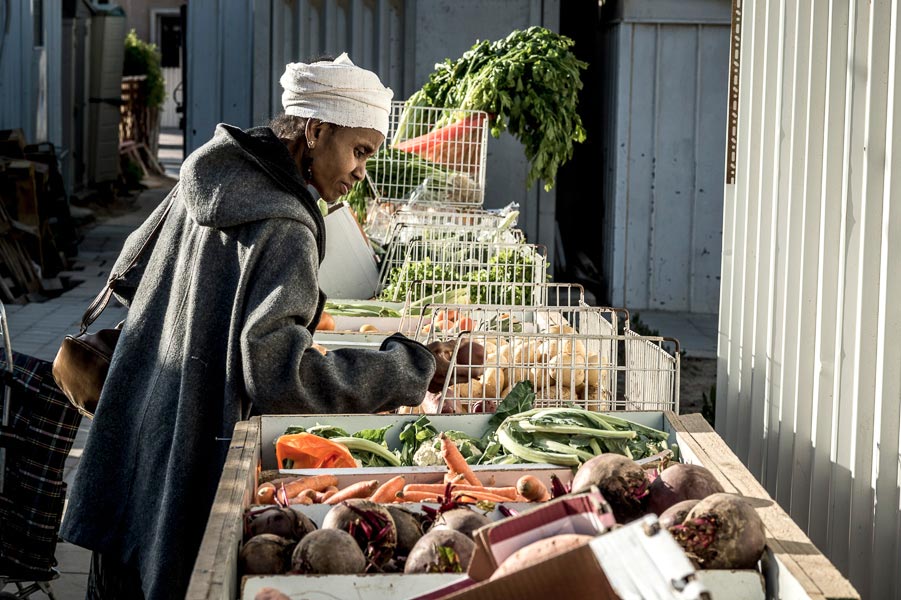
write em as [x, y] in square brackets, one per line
[793, 568]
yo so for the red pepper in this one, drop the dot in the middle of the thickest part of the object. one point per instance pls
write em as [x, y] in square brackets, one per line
[308, 451]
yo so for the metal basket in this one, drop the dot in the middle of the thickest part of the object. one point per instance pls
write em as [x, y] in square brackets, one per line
[573, 356]
[383, 228]
[432, 156]
[457, 263]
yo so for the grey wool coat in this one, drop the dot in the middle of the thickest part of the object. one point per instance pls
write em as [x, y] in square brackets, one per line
[220, 320]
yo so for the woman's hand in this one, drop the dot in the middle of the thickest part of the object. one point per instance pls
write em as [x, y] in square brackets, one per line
[470, 357]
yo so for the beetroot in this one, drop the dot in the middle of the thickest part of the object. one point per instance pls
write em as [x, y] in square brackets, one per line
[281, 521]
[681, 482]
[265, 554]
[328, 552]
[440, 551]
[722, 531]
[463, 519]
[370, 524]
[409, 528]
[675, 514]
[621, 481]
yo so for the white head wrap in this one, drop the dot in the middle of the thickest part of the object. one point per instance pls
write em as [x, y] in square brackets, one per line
[336, 92]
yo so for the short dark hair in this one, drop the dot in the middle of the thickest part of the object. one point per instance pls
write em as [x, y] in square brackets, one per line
[288, 126]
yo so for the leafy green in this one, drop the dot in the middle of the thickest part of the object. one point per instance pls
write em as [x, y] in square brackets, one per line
[528, 82]
[570, 436]
[519, 400]
[413, 435]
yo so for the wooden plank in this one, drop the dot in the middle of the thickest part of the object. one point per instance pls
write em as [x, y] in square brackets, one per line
[818, 577]
[215, 574]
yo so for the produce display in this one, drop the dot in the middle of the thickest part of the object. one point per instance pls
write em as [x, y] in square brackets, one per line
[517, 433]
[373, 531]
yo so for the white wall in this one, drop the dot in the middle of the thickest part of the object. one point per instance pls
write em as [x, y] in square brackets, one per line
[809, 383]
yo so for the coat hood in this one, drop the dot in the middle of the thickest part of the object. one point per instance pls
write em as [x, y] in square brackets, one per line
[243, 176]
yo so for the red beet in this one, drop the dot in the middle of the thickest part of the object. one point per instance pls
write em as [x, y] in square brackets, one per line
[675, 514]
[621, 481]
[681, 482]
[722, 531]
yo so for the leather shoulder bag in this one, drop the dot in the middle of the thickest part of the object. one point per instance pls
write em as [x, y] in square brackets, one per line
[83, 360]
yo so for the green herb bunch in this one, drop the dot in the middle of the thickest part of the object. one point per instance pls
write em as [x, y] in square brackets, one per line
[528, 82]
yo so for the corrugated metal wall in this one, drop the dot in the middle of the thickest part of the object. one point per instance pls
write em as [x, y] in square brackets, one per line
[666, 114]
[30, 92]
[810, 312]
[237, 50]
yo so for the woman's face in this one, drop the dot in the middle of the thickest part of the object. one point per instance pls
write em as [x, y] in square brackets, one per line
[339, 157]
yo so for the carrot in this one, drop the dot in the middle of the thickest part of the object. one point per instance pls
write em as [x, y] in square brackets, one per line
[455, 460]
[361, 489]
[438, 488]
[314, 482]
[266, 493]
[530, 488]
[479, 496]
[405, 496]
[325, 494]
[452, 477]
[387, 491]
[442, 135]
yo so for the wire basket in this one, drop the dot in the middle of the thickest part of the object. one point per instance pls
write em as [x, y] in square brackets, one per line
[455, 264]
[432, 156]
[382, 229]
[572, 356]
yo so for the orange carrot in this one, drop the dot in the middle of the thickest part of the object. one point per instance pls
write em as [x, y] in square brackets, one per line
[478, 496]
[266, 493]
[387, 491]
[455, 460]
[453, 477]
[361, 489]
[530, 488]
[314, 482]
[325, 494]
[438, 488]
[405, 496]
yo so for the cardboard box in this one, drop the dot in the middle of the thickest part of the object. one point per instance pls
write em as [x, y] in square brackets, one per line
[349, 269]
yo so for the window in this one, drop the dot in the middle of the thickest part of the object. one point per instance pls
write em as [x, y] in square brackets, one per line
[170, 40]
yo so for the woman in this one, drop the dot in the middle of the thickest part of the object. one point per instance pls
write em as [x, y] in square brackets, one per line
[220, 324]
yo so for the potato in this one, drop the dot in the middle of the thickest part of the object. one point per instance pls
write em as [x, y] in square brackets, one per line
[567, 369]
[368, 328]
[468, 389]
[558, 329]
[493, 382]
[593, 373]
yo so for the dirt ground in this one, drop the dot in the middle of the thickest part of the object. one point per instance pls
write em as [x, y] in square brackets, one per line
[697, 379]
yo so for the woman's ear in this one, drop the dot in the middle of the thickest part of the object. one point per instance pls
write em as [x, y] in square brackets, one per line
[313, 131]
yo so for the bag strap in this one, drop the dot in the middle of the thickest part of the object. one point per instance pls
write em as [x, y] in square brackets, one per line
[99, 303]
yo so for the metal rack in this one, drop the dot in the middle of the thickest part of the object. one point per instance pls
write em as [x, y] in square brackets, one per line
[403, 234]
[431, 215]
[455, 263]
[576, 355]
[432, 156]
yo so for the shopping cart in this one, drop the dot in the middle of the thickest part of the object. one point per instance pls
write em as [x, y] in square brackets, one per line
[39, 425]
